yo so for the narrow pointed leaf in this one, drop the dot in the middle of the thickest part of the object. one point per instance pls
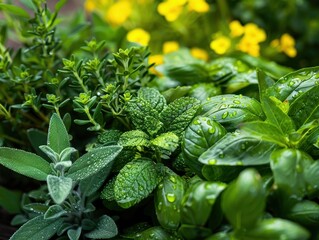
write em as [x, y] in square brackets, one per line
[54, 211]
[58, 137]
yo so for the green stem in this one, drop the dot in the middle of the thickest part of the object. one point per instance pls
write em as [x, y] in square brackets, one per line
[76, 75]
[12, 139]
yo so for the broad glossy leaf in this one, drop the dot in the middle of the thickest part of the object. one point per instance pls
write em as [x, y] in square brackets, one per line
[306, 107]
[276, 116]
[93, 161]
[134, 138]
[264, 82]
[219, 236]
[38, 228]
[167, 200]
[202, 91]
[58, 137]
[241, 80]
[244, 201]
[274, 228]
[136, 181]
[198, 201]
[291, 85]
[178, 114]
[305, 213]
[59, 188]
[265, 131]
[231, 110]
[221, 173]
[239, 149]
[192, 232]
[154, 233]
[311, 175]
[288, 166]
[25, 163]
[10, 200]
[200, 135]
[174, 93]
[106, 228]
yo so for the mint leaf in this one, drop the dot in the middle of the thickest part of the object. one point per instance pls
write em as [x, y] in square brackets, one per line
[136, 181]
[134, 138]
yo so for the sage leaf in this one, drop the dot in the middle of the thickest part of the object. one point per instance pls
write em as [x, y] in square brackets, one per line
[93, 162]
[136, 181]
[58, 137]
[74, 234]
[38, 228]
[54, 211]
[59, 188]
[25, 163]
[105, 229]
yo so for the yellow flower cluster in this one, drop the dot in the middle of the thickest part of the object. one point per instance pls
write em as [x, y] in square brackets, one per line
[250, 37]
[138, 35]
[118, 12]
[285, 44]
[172, 9]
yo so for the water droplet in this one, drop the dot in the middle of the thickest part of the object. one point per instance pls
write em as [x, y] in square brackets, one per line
[160, 186]
[243, 146]
[159, 206]
[170, 197]
[234, 113]
[223, 99]
[236, 102]
[196, 122]
[212, 161]
[141, 188]
[291, 83]
[225, 114]
[239, 163]
[129, 166]
[212, 130]
[172, 179]
[299, 168]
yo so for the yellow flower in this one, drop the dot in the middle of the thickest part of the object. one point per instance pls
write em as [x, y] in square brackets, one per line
[199, 6]
[170, 46]
[158, 60]
[236, 29]
[199, 53]
[89, 5]
[253, 33]
[248, 46]
[138, 35]
[287, 45]
[119, 12]
[220, 45]
[171, 9]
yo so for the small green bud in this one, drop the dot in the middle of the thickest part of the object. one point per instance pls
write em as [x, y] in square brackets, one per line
[83, 98]
[68, 64]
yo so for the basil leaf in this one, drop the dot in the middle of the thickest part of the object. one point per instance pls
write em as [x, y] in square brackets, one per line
[136, 181]
[238, 149]
[199, 136]
[58, 137]
[93, 161]
[25, 163]
[274, 228]
[38, 228]
[305, 213]
[231, 110]
[244, 201]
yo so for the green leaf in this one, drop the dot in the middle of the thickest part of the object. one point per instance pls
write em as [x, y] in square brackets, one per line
[311, 175]
[25, 163]
[108, 191]
[198, 202]
[178, 114]
[37, 138]
[167, 200]
[14, 10]
[58, 137]
[305, 213]
[306, 107]
[166, 143]
[93, 162]
[194, 232]
[244, 201]
[136, 181]
[155, 233]
[230, 110]
[134, 138]
[276, 116]
[203, 91]
[105, 229]
[264, 82]
[10, 200]
[74, 234]
[59, 188]
[291, 85]
[200, 135]
[92, 184]
[60, 4]
[288, 166]
[240, 81]
[238, 149]
[38, 228]
[54, 211]
[175, 93]
[265, 131]
[274, 228]
[39, 208]
[153, 97]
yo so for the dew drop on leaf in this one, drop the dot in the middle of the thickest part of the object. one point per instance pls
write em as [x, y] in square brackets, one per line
[236, 102]
[171, 197]
[172, 179]
[160, 204]
[212, 161]
[239, 163]
[225, 114]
